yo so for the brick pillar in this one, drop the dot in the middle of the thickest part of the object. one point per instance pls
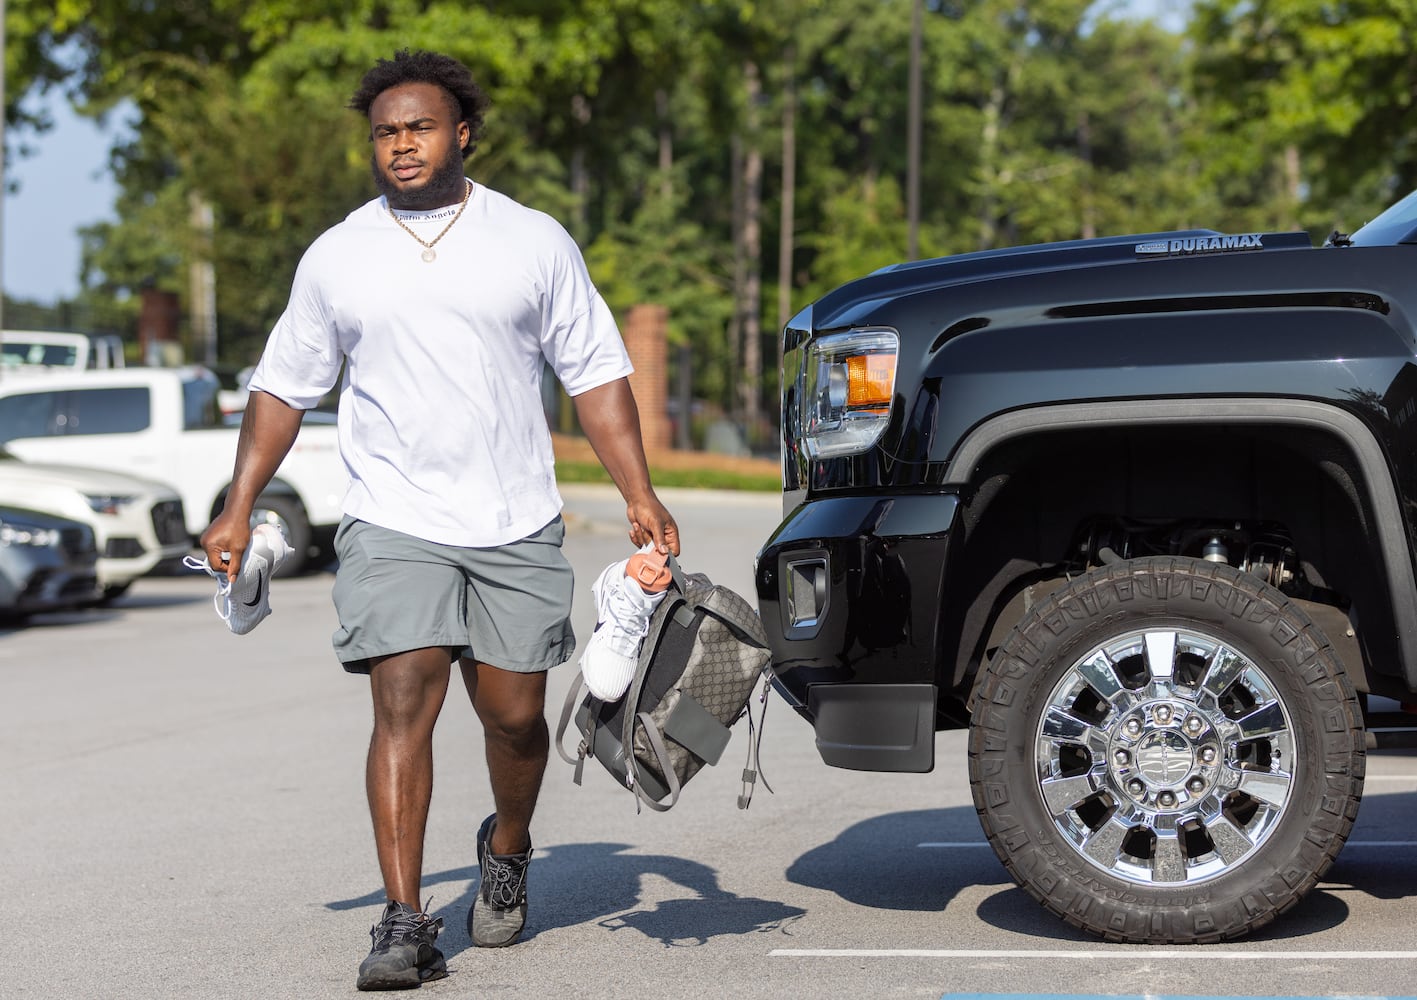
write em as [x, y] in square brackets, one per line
[646, 338]
[158, 316]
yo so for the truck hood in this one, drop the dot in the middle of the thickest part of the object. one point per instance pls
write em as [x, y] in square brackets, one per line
[854, 302]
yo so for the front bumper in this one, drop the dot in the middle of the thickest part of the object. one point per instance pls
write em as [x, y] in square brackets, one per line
[138, 540]
[35, 579]
[850, 590]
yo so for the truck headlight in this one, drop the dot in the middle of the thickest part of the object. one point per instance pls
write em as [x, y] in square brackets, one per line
[848, 384]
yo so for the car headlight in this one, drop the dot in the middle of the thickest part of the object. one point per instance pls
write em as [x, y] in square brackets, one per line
[848, 384]
[19, 533]
[107, 503]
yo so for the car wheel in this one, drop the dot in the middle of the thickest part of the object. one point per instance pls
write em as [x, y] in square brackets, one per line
[1166, 751]
[286, 513]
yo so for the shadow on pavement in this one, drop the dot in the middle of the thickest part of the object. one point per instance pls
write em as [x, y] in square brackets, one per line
[879, 862]
[600, 883]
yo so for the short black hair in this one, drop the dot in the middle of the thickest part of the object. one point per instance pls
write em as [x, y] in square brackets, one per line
[427, 67]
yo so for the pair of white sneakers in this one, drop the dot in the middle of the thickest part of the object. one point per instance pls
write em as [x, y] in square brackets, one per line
[244, 603]
[626, 594]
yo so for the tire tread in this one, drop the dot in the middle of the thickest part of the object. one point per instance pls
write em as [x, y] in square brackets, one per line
[1039, 864]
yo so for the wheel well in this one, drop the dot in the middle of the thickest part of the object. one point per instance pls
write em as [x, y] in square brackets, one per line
[277, 487]
[1287, 503]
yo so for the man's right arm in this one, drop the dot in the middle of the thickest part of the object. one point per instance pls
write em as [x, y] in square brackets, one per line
[268, 429]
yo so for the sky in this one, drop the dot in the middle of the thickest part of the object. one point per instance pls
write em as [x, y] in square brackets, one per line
[65, 185]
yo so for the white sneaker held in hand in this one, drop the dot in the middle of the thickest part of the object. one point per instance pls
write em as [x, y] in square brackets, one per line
[245, 603]
[622, 611]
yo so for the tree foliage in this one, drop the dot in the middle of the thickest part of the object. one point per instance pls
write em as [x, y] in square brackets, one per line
[654, 129]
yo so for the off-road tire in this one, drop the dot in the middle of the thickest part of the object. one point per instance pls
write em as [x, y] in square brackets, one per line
[1216, 898]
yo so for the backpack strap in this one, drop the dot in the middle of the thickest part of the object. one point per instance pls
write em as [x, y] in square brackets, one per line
[568, 709]
[677, 574]
[676, 605]
[753, 768]
[661, 755]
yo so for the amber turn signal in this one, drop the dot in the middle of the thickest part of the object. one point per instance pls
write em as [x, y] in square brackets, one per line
[870, 379]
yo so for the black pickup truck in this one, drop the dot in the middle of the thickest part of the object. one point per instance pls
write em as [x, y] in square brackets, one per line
[1138, 513]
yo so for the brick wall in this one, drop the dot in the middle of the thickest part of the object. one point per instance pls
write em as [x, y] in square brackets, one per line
[646, 338]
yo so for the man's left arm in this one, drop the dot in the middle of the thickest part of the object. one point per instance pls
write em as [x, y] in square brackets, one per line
[611, 422]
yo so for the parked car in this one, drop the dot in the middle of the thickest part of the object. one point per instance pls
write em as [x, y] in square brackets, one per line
[164, 423]
[24, 350]
[138, 524]
[1138, 513]
[47, 563]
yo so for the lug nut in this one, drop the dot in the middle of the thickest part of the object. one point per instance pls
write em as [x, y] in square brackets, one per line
[1166, 799]
[1135, 787]
[1122, 757]
[1163, 714]
[1194, 724]
[1208, 755]
[1133, 727]
[1196, 784]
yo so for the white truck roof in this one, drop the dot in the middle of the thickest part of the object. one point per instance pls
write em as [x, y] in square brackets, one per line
[59, 350]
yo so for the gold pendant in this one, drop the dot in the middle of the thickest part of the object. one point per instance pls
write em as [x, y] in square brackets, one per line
[430, 255]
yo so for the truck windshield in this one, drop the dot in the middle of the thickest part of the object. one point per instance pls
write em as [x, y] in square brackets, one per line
[1394, 225]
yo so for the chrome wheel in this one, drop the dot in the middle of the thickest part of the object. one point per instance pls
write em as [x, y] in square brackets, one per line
[1164, 756]
[1166, 751]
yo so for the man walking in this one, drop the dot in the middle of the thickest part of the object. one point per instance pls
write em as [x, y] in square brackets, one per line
[441, 298]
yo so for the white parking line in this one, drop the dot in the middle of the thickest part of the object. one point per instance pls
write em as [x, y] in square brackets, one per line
[1125, 954]
[947, 844]
[1148, 996]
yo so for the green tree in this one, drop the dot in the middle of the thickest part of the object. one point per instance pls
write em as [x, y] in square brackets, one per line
[1306, 86]
[657, 131]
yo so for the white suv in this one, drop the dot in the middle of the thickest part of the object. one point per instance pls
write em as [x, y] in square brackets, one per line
[137, 523]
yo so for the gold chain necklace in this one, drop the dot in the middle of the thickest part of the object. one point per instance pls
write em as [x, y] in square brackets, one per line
[429, 254]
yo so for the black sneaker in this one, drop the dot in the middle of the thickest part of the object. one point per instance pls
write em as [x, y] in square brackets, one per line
[499, 908]
[403, 956]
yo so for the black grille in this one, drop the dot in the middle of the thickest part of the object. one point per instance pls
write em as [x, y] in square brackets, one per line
[35, 587]
[169, 522]
[123, 548]
[77, 541]
[79, 586]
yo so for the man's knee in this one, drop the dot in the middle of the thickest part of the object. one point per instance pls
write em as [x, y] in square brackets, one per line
[512, 706]
[514, 722]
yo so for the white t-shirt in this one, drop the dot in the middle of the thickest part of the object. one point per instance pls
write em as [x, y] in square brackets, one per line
[440, 420]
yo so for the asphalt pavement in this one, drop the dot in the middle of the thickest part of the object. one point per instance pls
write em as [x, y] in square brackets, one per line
[183, 815]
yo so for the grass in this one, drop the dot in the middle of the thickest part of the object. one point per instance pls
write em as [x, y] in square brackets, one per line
[576, 463]
[703, 477]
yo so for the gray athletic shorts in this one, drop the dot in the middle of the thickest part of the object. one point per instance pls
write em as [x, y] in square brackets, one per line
[509, 606]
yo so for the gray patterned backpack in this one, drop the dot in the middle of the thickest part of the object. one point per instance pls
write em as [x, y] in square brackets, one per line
[703, 655]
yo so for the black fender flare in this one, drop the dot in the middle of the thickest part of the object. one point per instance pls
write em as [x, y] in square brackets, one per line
[1377, 483]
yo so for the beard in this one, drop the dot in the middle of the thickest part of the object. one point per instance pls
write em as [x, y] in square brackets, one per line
[444, 187]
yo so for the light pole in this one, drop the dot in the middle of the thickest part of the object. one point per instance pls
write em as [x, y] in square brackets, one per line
[912, 141]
